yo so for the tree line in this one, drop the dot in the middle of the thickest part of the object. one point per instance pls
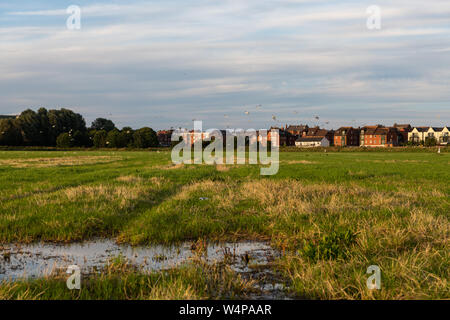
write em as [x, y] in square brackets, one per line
[64, 128]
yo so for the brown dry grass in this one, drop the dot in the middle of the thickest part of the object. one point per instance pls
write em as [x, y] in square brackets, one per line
[299, 162]
[130, 179]
[59, 161]
[395, 230]
[171, 166]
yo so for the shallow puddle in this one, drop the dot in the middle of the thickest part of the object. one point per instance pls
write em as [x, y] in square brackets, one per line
[250, 259]
[38, 260]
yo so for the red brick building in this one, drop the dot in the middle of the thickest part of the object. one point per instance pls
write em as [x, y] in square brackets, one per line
[378, 136]
[164, 137]
[286, 139]
[297, 131]
[318, 132]
[346, 136]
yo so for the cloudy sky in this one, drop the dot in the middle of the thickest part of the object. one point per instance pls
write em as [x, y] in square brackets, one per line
[236, 63]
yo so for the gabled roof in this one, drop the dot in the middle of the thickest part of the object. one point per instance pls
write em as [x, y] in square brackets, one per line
[375, 130]
[161, 132]
[281, 131]
[297, 127]
[342, 129]
[402, 126]
[317, 132]
[310, 139]
[421, 129]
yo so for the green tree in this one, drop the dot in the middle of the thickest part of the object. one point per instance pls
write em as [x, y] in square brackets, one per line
[145, 138]
[126, 137]
[64, 140]
[99, 140]
[81, 139]
[44, 127]
[430, 142]
[10, 135]
[113, 139]
[30, 125]
[64, 120]
[103, 124]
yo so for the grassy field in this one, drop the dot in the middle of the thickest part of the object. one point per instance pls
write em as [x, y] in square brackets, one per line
[331, 214]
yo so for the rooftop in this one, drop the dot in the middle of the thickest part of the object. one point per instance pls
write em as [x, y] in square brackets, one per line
[310, 139]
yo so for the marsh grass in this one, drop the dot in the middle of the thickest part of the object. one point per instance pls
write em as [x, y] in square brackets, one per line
[120, 280]
[331, 215]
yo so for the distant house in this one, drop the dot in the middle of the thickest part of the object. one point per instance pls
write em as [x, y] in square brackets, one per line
[378, 136]
[317, 132]
[312, 142]
[421, 134]
[439, 133]
[346, 136]
[164, 138]
[417, 134]
[298, 131]
[193, 136]
[286, 137]
[282, 136]
[403, 130]
[444, 136]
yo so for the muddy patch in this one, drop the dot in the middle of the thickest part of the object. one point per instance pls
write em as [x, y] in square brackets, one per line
[252, 260]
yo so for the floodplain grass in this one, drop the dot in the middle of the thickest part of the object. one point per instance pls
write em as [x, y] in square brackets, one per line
[331, 214]
[120, 280]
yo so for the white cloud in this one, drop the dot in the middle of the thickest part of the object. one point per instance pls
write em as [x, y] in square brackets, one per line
[216, 57]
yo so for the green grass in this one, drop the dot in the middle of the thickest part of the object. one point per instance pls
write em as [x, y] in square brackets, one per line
[395, 205]
[120, 281]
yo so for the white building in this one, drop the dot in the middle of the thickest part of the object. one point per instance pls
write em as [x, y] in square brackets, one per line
[420, 134]
[312, 142]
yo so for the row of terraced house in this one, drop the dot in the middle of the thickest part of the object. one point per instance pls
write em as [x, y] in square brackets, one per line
[367, 136]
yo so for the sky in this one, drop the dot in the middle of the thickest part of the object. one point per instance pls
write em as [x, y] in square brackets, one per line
[229, 63]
